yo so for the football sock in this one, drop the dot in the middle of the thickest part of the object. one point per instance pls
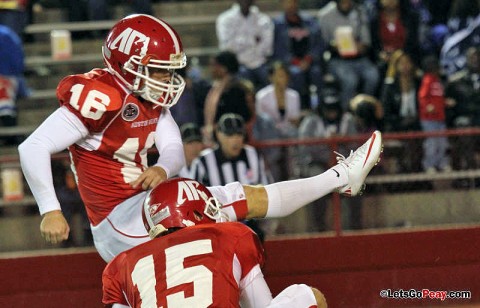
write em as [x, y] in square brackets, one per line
[286, 197]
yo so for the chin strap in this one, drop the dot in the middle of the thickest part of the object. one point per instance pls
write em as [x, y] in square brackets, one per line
[142, 67]
[136, 82]
[156, 231]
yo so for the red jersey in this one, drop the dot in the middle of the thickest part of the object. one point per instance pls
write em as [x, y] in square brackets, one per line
[393, 35]
[8, 93]
[188, 268]
[121, 130]
[431, 99]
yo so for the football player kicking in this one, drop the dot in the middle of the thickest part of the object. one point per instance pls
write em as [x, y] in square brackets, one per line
[108, 119]
[192, 261]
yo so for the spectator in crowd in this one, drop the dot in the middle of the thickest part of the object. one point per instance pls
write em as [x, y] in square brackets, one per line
[464, 32]
[282, 105]
[232, 160]
[248, 33]
[228, 94]
[431, 21]
[368, 113]
[461, 14]
[399, 94]
[396, 27]
[328, 120]
[13, 14]
[12, 82]
[279, 102]
[299, 43]
[345, 27]
[432, 105]
[400, 102]
[464, 90]
[226, 259]
[192, 145]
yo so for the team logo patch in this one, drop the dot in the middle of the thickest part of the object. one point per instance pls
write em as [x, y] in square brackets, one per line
[130, 112]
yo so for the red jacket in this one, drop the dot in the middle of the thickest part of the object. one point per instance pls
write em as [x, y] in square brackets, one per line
[431, 98]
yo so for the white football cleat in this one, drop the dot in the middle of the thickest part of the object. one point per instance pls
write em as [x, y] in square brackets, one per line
[359, 163]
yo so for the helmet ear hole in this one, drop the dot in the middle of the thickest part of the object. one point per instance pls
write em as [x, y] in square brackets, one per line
[121, 68]
[198, 215]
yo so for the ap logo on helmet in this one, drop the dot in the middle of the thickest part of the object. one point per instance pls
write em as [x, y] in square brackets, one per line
[129, 38]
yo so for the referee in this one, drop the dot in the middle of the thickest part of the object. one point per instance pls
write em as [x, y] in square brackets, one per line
[231, 160]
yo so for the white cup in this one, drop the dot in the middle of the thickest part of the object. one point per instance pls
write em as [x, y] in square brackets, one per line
[12, 183]
[61, 44]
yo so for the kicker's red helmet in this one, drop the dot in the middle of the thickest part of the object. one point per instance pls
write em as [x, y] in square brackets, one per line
[138, 44]
[179, 203]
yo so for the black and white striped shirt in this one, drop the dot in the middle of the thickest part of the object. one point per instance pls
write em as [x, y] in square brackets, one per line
[212, 168]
